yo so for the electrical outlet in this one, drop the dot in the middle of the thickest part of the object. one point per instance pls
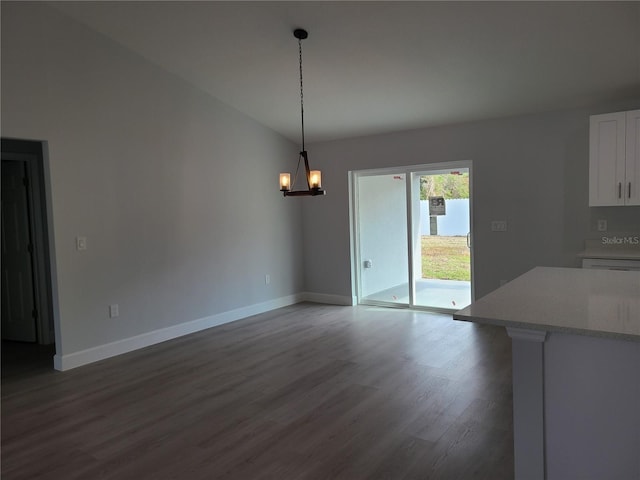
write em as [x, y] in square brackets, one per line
[267, 279]
[498, 225]
[602, 225]
[114, 310]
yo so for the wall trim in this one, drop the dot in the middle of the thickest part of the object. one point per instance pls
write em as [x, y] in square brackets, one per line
[101, 352]
[119, 347]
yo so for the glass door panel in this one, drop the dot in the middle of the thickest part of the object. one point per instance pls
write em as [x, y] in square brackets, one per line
[441, 239]
[382, 236]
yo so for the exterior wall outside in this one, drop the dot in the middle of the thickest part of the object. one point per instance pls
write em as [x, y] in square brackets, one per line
[383, 231]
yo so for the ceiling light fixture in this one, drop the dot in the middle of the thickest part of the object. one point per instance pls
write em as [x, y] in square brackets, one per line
[314, 177]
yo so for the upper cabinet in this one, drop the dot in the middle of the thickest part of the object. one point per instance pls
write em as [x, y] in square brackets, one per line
[614, 159]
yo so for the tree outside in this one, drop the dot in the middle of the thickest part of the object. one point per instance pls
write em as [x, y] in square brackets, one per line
[449, 186]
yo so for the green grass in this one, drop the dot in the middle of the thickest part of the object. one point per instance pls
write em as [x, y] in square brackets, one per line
[445, 258]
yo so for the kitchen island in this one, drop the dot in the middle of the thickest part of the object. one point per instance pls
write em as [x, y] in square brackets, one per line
[576, 370]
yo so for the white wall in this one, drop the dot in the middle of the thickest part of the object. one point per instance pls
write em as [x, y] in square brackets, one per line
[176, 192]
[531, 171]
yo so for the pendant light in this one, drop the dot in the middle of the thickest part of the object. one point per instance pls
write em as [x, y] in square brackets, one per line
[313, 177]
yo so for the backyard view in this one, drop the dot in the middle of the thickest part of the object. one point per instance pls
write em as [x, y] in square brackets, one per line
[445, 258]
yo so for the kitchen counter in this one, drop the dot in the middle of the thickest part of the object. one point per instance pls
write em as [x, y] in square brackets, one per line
[576, 370]
[571, 300]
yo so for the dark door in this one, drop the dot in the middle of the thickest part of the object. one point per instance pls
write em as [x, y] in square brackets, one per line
[18, 304]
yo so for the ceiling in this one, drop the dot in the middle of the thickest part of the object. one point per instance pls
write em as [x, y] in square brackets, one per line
[374, 67]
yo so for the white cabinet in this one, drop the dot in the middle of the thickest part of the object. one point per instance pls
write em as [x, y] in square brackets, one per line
[614, 159]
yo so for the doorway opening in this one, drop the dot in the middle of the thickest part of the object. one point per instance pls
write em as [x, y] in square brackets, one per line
[411, 229]
[28, 337]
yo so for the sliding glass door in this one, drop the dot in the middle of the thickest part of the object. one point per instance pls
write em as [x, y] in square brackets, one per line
[412, 232]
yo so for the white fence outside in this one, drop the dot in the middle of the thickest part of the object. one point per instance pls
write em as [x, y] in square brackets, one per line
[454, 223]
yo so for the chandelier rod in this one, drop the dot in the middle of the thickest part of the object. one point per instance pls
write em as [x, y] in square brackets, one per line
[300, 36]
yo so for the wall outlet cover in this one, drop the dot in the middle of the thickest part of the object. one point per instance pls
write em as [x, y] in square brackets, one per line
[498, 225]
[602, 225]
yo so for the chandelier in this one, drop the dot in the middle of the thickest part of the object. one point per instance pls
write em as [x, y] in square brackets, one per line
[313, 177]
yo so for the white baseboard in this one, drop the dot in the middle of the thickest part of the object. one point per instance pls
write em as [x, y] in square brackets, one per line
[107, 350]
[101, 352]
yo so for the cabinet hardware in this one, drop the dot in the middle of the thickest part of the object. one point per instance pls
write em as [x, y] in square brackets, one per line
[629, 193]
[619, 189]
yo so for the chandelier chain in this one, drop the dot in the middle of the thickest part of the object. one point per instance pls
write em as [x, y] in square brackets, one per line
[301, 92]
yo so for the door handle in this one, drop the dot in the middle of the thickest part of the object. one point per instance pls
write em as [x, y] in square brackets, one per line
[469, 240]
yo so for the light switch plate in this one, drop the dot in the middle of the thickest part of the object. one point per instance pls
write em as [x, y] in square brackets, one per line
[81, 243]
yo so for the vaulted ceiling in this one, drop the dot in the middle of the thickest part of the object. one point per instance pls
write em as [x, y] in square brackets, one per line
[372, 67]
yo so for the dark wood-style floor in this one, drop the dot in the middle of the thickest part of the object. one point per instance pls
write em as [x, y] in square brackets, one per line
[304, 392]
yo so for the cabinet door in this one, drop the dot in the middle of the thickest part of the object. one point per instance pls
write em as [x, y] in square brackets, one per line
[632, 180]
[607, 159]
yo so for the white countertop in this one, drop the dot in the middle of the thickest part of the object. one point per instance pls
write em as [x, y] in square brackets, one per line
[570, 300]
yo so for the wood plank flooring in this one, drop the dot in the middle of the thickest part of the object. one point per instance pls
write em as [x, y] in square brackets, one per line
[304, 392]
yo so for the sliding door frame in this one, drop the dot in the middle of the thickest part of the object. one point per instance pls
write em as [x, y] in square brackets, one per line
[411, 172]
